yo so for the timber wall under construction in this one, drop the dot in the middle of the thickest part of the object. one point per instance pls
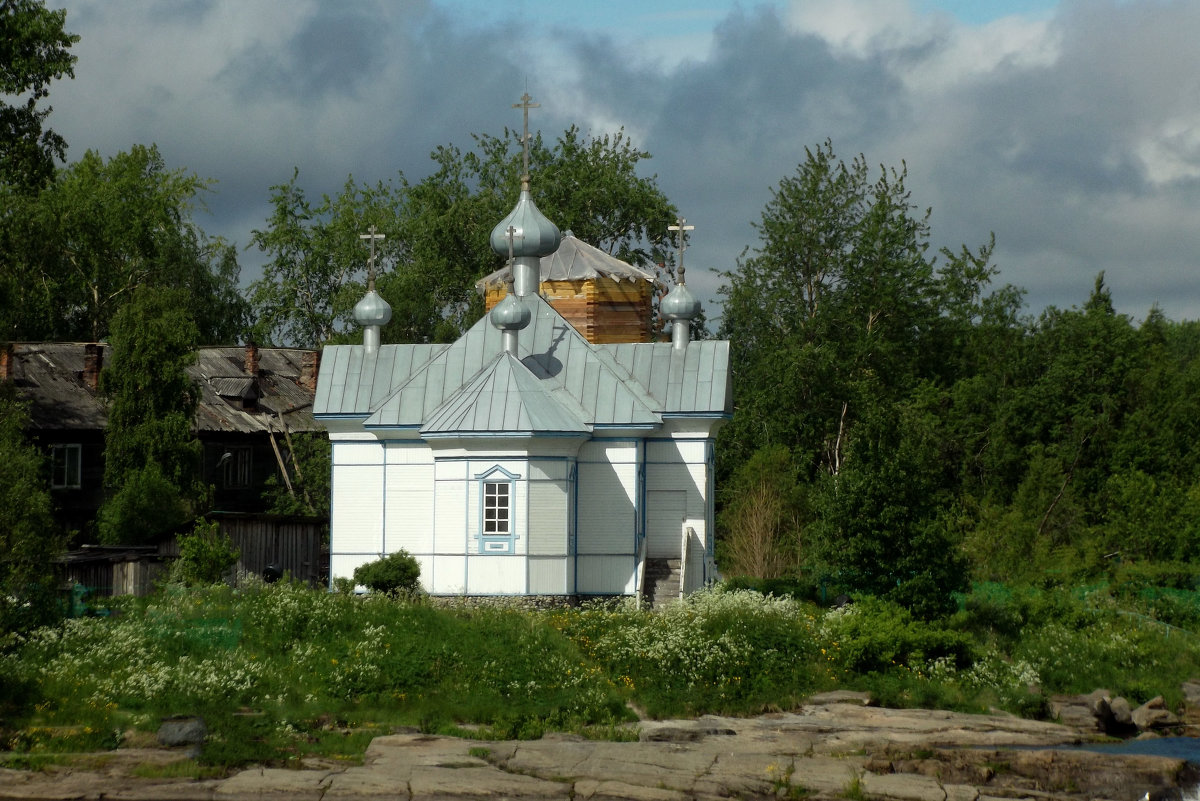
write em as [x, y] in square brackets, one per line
[604, 311]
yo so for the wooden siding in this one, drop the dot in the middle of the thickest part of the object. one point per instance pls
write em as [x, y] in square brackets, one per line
[409, 509]
[604, 311]
[606, 575]
[294, 544]
[550, 576]
[547, 518]
[607, 514]
[448, 576]
[493, 574]
[357, 509]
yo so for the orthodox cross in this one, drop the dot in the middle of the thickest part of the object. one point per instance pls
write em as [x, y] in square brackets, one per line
[526, 105]
[372, 236]
[681, 226]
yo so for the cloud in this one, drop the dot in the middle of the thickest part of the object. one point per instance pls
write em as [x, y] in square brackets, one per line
[1073, 135]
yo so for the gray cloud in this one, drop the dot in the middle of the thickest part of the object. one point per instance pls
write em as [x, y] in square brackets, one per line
[1077, 142]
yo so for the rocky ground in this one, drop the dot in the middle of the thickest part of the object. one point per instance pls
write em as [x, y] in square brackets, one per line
[834, 747]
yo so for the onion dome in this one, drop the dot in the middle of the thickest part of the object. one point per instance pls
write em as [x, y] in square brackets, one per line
[680, 304]
[372, 310]
[534, 234]
[510, 314]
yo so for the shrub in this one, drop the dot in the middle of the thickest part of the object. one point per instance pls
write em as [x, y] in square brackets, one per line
[205, 555]
[394, 573]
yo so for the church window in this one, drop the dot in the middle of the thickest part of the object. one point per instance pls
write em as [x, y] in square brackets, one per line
[497, 497]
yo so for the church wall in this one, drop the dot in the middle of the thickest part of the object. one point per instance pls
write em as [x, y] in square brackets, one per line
[447, 574]
[608, 493]
[547, 518]
[606, 575]
[490, 574]
[551, 576]
[678, 488]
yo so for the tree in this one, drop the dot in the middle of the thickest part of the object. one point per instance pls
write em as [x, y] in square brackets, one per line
[29, 538]
[77, 250]
[837, 311]
[437, 234]
[152, 459]
[843, 336]
[33, 52]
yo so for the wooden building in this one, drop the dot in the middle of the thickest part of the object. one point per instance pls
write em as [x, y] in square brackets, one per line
[603, 298]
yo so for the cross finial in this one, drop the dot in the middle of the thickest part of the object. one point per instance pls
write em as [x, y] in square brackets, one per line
[525, 105]
[681, 226]
[372, 236]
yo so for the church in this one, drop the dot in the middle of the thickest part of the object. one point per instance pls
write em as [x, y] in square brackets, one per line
[552, 450]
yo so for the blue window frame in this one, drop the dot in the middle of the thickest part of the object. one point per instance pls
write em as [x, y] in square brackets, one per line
[497, 506]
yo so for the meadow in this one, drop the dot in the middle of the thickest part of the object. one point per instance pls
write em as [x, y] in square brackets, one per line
[282, 671]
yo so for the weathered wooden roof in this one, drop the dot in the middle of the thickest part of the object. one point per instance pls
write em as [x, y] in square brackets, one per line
[49, 376]
[574, 260]
[436, 388]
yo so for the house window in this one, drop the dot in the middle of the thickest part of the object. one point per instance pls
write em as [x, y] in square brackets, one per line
[497, 498]
[235, 469]
[65, 466]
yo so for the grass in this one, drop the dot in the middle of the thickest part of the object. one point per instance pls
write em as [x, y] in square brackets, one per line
[281, 672]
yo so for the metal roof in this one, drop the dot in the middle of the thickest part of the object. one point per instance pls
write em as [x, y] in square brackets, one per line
[506, 397]
[573, 261]
[437, 387]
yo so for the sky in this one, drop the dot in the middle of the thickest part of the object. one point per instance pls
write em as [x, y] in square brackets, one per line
[1070, 129]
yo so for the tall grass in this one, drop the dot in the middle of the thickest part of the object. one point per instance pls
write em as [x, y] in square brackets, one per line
[279, 671]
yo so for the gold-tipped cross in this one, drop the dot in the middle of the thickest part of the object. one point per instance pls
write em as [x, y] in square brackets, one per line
[525, 104]
[373, 237]
[681, 226]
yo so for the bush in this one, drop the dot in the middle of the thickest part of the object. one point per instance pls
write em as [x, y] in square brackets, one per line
[205, 555]
[394, 573]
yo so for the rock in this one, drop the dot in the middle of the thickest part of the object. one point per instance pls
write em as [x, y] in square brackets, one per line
[1153, 715]
[1077, 711]
[1191, 692]
[841, 697]
[1122, 713]
[182, 731]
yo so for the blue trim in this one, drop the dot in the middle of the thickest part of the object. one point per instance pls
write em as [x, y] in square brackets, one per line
[505, 434]
[494, 457]
[573, 525]
[496, 544]
[626, 426]
[393, 426]
[699, 415]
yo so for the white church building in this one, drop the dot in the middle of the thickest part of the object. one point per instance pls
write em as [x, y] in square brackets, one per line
[524, 459]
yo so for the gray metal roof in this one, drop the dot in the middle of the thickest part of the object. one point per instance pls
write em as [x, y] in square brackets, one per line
[438, 387]
[506, 397]
[573, 261]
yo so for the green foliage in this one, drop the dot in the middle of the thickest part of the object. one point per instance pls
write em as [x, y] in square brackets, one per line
[79, 249]
[270, 667]
[395, 573]
[872, 636]
[33, 52]
[311, 457]
[437, 234]
[760, 524]
[206, 555]
[29, 538]
[152, 460]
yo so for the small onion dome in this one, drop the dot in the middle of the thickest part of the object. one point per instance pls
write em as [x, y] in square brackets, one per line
[510, 314]
[535, 235]
[372, 310]
[679, 304]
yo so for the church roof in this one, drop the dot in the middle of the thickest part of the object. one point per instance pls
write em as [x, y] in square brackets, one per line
[574, 260]
[558, 380]
[505, 397]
